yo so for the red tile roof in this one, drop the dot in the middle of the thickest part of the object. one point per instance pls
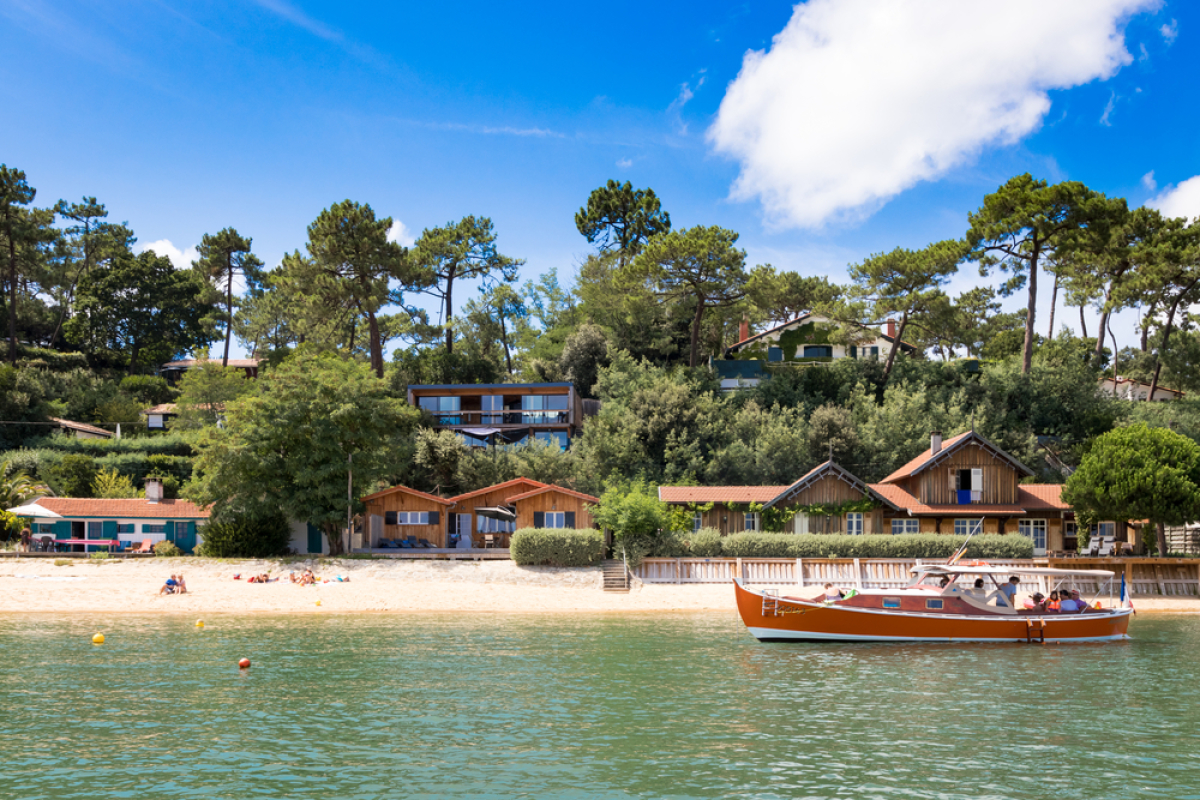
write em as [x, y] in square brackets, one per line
[912, 466]
[162, 408]
[718, 494]
[131, 508]
[1038, 496]
[552, 488]
[407, 490]
[524, 484]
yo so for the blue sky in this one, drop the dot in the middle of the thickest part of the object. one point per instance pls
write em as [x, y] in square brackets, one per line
[859, 127]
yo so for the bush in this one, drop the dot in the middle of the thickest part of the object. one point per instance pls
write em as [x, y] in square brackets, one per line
[245, 537]
[559, 547]
[705, 543]
[148, 390]
[45, 358]
[73, 476]
[920, 545]
[165, 548]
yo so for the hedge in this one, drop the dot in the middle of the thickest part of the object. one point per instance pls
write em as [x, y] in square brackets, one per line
[53, 360]
[916, 545]
[245, 538]
[559, 547]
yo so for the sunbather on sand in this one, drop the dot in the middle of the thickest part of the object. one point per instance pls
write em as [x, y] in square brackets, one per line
[170, 587]
[180, 585]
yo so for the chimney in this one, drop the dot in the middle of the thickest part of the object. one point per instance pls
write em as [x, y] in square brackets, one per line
[154, 490]
[935, 442]
[744, 331]
[891, 328]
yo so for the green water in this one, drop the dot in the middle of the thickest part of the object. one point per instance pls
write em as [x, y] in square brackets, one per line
[684, 705]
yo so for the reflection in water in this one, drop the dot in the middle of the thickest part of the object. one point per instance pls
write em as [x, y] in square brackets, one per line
[683, 705]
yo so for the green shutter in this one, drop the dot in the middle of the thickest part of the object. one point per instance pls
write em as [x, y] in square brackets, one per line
[110, 529]
[314, 539]
[62, 529]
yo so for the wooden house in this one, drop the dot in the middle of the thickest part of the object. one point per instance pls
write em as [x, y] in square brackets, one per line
[403, 513]
[723, 508]
[81, 430]
[503, 413]
[486, 513]
[173, 370]
[553, 507]
[856, 507]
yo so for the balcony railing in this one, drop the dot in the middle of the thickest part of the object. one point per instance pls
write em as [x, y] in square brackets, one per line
[481, 419]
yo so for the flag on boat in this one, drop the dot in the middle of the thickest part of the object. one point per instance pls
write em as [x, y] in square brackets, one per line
[1126, 600]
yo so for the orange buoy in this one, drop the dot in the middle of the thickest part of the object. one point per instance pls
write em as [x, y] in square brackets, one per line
[244, 663]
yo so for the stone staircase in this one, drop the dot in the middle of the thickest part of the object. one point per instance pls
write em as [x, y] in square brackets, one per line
[616, 578]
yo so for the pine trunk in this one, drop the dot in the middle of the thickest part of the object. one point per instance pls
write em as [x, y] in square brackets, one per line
[1027, 359]
[699, 318]
[228, 314]
[449, 313]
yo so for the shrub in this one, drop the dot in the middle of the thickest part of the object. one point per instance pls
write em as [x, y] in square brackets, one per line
[165, 548]
[73, 476]
[245, 537]
[110, 483]
[927, 545]
[559, 547]
[705, 543]
[45, 358]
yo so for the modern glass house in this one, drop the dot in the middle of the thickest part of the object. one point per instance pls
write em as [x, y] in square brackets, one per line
[503, 413]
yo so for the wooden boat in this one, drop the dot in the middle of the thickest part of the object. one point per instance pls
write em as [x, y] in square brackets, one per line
[926, 611]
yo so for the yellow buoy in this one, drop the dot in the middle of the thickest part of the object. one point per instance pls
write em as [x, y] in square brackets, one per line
[318, 602]
[199, 623]
[98, 638]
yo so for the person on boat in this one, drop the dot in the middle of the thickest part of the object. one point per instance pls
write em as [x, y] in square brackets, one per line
[1037, 603]
[831, 595]
[944, 582]
[1053, 603]
[1073, 604]
[1008, 593]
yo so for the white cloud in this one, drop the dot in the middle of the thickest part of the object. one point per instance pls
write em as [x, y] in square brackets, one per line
[1170, 31]
[399, 232]
[675, 110]
[1108, 109]
[1179, 201]
[1148, 182]
[182, 259]
[624, 163]
[858, 100]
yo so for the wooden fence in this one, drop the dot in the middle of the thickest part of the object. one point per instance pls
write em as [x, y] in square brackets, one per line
[1145, 576]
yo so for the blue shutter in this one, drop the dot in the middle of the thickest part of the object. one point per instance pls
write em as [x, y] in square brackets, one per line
[539, 519]
[62, 529]
[570, 519]
[853, 351]
[434, 518]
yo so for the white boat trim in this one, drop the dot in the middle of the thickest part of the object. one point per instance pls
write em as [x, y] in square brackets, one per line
[778, 633]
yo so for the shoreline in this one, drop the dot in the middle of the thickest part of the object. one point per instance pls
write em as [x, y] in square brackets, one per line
[385, 586]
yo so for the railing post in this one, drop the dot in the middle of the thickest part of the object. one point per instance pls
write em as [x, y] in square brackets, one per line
[858, 574]
[678, 578]
[799, 572]
[738, 570]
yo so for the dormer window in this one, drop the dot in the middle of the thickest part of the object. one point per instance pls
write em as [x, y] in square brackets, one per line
[968, 485]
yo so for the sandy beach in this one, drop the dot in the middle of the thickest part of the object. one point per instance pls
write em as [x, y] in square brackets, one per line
[117, 585]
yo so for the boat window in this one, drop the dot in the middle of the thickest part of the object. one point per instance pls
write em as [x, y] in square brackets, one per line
[891, 602]
[933, 604]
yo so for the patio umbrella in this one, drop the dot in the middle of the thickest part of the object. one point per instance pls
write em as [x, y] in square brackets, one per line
[35, 511]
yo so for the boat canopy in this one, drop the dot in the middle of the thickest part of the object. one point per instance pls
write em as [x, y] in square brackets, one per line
[990, 569]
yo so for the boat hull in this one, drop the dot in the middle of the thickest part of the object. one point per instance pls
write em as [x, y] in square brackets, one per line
[794, 620]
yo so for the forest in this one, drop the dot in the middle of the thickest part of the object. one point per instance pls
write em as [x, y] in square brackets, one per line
[342, 326]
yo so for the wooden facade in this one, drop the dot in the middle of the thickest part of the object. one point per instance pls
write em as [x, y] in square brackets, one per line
[466, 521]
[938, 485]
[533, 506]
[384, 509]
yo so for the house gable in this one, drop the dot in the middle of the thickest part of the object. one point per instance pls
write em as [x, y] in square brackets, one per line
[827, 483]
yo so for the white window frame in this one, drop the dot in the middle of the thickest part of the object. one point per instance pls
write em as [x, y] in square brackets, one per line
[1034, 529]
[412, 517]
[555, 519]
[856, 523]
[967, 526]
[753, 521]
[905, 526]
[697, 521]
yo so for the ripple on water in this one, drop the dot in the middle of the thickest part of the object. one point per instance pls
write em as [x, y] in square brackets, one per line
[583, 706]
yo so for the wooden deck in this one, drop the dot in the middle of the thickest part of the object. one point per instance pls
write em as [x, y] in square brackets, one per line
[13, 554]
[437, 553]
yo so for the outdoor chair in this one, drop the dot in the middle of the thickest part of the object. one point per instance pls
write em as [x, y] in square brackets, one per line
[147, 547]
[1093, 547]
[425, 543]
[406, 544]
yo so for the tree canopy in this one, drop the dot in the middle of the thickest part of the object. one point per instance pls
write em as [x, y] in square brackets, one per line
[620, 218]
